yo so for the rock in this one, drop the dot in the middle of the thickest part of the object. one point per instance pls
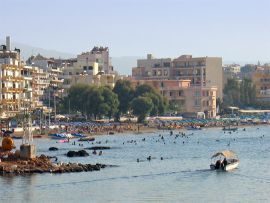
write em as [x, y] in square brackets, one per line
[80, 153]
[53, 149]
[98, 148]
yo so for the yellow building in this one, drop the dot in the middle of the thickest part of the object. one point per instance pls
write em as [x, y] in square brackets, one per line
[261, 80]
[11, 80]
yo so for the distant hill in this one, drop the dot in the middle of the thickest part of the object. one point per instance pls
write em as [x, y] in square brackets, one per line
[27, 51]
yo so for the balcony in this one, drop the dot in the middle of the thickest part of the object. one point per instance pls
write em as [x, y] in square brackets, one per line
[57, 81]
[12, 90]
[12, 78]
[10, 101]
[11, 67]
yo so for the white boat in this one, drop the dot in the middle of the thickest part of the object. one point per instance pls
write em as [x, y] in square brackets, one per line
[225, 161]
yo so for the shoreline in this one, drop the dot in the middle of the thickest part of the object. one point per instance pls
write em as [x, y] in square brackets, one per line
[142, 129]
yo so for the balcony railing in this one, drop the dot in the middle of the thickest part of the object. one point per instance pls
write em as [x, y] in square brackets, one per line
[10, 101]
[12, 90]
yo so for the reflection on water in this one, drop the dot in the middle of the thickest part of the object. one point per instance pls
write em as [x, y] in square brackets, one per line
[177, 172]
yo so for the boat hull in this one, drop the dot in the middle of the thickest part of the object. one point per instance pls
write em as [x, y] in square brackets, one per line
[228, 167]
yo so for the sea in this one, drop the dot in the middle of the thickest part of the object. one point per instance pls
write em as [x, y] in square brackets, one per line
[177, 172]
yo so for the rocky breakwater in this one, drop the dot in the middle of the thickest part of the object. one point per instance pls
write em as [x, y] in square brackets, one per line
[42, 164]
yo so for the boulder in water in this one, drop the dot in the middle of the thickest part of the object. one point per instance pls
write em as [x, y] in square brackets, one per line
[80, 153]
[53, 149]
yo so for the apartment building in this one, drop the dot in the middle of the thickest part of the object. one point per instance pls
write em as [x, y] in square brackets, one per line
[91, 68]
[201, 71]
[189, 99]
[54, 73]
[98, 55]
[11, 80]
[261, 80]
[152, 68]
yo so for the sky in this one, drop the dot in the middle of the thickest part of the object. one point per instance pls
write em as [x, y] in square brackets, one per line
[237, 30]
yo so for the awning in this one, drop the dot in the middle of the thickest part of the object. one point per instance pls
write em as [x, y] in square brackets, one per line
[225, 153]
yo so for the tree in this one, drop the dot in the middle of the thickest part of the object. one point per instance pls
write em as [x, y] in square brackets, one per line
[232, 93]
[239, 93]
[175, 106]
[143, 89]
[125, 94]
[159, 102]
[110, 103]
[141, 106]
[77, 97]
[92, 101]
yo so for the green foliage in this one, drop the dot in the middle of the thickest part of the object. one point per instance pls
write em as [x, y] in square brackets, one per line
[175, 106]
[92, 101]
[141, 107]
[143, 89]
[125, 93]
[239, 93]
[96, 102]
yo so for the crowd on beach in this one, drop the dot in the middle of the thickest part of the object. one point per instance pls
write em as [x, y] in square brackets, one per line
[97, 128]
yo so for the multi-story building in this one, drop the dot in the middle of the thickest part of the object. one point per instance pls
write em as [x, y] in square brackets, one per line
[202, 71]
[98, 55]
[11, 80]
[91, 68]
[53, 71]
[189, 99]
[152, 68]
[261, 80]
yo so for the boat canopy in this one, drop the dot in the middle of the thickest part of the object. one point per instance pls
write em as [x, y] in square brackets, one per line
[225, 153]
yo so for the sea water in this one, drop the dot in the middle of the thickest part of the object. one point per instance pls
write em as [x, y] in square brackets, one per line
[182, 176]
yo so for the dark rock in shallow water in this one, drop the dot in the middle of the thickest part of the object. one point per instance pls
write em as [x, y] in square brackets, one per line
[53, 149]
[78, 153]
[98, 148]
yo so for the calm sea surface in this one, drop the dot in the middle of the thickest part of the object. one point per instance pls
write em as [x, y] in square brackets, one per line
[182, 176]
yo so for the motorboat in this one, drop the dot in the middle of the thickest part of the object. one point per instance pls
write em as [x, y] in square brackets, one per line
[225, 161]
[88, 138]
[79, 135]
[194, 128]
[60, 136]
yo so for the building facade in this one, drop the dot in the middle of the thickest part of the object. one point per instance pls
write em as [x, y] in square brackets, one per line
[201, 71]
[11, 80]
[189, 99]
[261, 80]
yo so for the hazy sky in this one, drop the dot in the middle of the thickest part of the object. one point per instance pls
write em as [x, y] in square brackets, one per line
[237, 30]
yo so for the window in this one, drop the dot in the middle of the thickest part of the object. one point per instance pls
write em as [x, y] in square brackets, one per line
[181, 93]
[171, 94]
[167, 64]
[165, 73]
[161, 84]
[197, 102]
[156, 65]
[197, 93]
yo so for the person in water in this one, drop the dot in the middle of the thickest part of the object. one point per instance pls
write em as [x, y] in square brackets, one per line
[218, 164]
[224, 162]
